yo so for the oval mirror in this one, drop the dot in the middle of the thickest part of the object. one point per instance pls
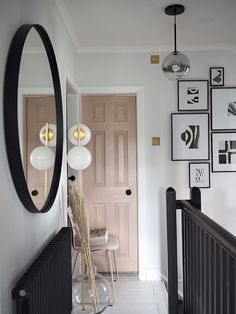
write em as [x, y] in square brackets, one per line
[33, 118]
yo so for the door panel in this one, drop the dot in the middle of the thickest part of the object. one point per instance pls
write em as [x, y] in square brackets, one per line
[112, 120]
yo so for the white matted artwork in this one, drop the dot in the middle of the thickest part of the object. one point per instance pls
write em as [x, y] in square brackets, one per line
[199, 174]
[223, 152]
[223, 108]
[190, 136]
[193, 95]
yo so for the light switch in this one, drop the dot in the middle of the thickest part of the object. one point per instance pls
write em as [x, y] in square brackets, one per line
[156, 141]
[154, 59]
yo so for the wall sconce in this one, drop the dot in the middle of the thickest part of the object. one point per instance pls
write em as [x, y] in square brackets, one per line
[79, 157]
[79, 133]
[42, 157]
[176, 64]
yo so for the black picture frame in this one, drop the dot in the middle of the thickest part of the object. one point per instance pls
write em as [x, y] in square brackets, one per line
[216, 76]
[199, 175]
[223, 151]
[223, 108]
[190, 141]
[193, 95]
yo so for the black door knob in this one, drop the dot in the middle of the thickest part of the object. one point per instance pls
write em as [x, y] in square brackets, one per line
[34, 193]
[128, 192]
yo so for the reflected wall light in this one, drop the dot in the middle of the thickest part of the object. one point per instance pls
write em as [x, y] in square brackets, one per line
[176, 64]
[79, 157]
[42, 157]
[48, 135]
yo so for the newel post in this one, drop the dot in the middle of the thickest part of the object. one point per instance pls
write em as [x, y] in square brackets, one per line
[172, 251]
[195, 196]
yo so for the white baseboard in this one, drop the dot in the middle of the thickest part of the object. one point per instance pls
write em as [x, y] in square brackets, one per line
[180, 285]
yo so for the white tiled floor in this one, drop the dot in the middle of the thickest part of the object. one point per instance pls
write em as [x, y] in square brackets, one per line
[139, 297]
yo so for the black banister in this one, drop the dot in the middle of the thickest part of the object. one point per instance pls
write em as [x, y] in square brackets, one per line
[172, 251]
[209, 259]
[222, 236]
[195, 197]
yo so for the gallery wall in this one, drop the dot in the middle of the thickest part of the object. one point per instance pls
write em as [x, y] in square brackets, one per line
[159, 172]
[22, 234]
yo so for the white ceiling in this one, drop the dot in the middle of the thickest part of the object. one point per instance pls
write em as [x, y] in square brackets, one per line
[141, 25]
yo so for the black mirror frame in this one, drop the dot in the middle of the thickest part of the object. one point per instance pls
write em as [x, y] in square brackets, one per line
[11, 117]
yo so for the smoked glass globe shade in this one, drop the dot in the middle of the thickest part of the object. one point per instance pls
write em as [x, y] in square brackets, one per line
[176, 65]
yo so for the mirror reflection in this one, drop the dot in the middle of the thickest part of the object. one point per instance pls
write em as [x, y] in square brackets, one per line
[36, 118]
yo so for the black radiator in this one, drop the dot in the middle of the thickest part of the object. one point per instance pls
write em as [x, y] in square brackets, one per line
[46, 288]
[209, 260]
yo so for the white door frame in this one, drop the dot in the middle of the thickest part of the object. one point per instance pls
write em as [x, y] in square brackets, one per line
[62, 191]
[138, 91]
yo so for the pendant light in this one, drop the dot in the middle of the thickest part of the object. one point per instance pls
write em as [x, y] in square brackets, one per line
[176, 64]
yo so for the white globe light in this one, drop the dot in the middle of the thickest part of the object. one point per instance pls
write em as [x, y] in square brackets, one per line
[82, 137]
[79, 158]
[42, 158]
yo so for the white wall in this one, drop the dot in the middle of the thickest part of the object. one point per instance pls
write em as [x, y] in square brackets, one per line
[22, 234]
[160, 100]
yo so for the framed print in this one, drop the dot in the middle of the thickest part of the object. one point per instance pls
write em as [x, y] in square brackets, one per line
[217, 76]
[223, 152]
[190, 136]
[193, 95]
[223, 108]
[199, 174]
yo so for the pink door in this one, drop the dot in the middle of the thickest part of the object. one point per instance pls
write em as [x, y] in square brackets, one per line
[110, 183]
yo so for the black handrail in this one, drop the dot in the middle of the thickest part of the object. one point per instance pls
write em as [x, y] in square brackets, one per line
[209, 259]
[222, 236]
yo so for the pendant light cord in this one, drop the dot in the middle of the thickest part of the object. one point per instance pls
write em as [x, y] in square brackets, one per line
[175, 51]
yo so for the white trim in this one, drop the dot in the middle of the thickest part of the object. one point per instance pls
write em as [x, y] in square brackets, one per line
[154, 49]
[70, 79]
[67, 78]
[139, 92]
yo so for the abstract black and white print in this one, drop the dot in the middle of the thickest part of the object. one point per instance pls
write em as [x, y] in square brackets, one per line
[217, 76]
[223, 151]
[232, 108]
[199, 175]
[192, 95]
[227, 152]
[191, 136]
[223, 108]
